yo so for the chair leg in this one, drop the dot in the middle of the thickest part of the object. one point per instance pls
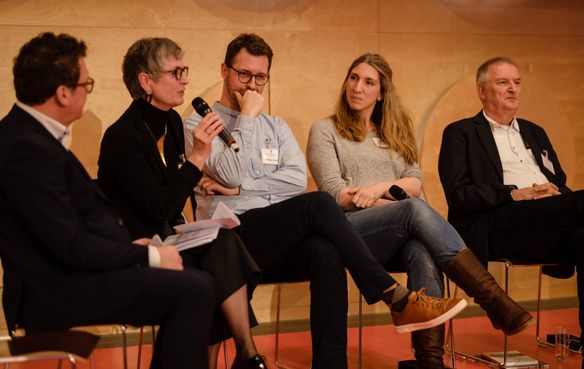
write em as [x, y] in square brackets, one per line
[277, 349]
[450, 337]
[92, 361]
[360, 354]
[450, 334]
[140, 337]
[537, 338]
[72, 360]
[124, 346]
[507, 266]
[225, 356]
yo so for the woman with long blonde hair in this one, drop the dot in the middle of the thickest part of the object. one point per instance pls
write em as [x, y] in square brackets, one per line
[360, 152]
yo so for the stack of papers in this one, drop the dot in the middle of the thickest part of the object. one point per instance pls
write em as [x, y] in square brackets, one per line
[515, 359]
[187, 240]
[201, 232]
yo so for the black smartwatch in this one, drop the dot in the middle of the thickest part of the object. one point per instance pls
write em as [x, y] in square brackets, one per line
[511, 188]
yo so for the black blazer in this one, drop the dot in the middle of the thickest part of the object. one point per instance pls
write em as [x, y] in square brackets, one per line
[149, 195]
[472, 175]
[58, 234]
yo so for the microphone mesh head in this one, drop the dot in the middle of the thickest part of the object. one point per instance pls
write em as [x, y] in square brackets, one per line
[200, 106]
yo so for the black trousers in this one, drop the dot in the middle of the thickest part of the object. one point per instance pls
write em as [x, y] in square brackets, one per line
[182, 303]
[229, 263]
[308, 236]
[544, 230]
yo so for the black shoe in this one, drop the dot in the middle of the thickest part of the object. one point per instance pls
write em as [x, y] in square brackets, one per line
[411, 364]
[254, 362]
[560, 271]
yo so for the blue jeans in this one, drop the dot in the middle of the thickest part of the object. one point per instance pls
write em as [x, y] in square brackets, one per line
[413, 234]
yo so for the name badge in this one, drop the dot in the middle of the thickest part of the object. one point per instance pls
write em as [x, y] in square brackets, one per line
[547, 162]
[181, 160]
[270, 156]
[379, 143]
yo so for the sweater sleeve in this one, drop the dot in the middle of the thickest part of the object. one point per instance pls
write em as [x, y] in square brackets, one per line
[323, 160]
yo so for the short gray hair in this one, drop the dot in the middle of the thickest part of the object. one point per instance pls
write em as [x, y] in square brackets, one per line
[482, 71]
[147, 55]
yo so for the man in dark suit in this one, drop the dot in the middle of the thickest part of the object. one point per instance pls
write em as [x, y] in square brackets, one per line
[505, 188]
[68, 259]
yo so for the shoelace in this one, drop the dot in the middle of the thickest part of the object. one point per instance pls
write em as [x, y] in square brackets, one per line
[422, 298]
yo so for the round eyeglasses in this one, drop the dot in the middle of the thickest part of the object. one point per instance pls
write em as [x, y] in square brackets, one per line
[244, 77]
[178, 72]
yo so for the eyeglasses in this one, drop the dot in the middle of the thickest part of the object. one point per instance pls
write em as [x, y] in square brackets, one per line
[244, 77]
[178, 72]
[88, 85]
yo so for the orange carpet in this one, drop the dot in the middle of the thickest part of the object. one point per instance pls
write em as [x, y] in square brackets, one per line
[382, 347]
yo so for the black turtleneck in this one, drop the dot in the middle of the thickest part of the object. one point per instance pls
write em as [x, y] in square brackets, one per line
[164, 189]
[155, 118]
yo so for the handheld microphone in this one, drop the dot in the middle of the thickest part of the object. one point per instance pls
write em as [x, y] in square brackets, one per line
[202, 108]
[398, 193]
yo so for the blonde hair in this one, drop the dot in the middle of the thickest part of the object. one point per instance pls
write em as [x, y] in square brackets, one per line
[393, 123]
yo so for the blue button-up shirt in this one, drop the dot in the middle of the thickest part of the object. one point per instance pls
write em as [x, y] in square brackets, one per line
[260, 183]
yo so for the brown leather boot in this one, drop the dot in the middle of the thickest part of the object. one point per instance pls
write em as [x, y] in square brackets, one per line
[469, 274]
[429, 348]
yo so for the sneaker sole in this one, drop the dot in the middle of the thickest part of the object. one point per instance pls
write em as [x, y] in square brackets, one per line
[434, 322]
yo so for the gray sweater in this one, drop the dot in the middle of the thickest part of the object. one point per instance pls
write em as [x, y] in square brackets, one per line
[336, 163]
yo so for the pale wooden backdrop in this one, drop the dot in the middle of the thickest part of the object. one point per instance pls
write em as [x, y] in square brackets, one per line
[434, 47]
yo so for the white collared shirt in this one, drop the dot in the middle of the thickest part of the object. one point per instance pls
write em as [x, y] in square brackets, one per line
[519, 165]
[55, 128]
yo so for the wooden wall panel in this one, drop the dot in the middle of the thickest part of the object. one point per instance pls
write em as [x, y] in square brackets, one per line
[239, 15]
[502, 17]
[308, 72]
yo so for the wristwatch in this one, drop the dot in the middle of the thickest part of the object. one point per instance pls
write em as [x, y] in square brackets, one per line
[511, 188]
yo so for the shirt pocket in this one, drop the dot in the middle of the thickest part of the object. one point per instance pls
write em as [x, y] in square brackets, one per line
[261, 169]
[257, 168]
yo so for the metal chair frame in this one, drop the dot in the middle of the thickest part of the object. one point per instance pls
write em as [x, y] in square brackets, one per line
[61, 345]
[508, 264]
[540, 341]
[123, 330]
[20, 332]
[140, 341]
[277, 333]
